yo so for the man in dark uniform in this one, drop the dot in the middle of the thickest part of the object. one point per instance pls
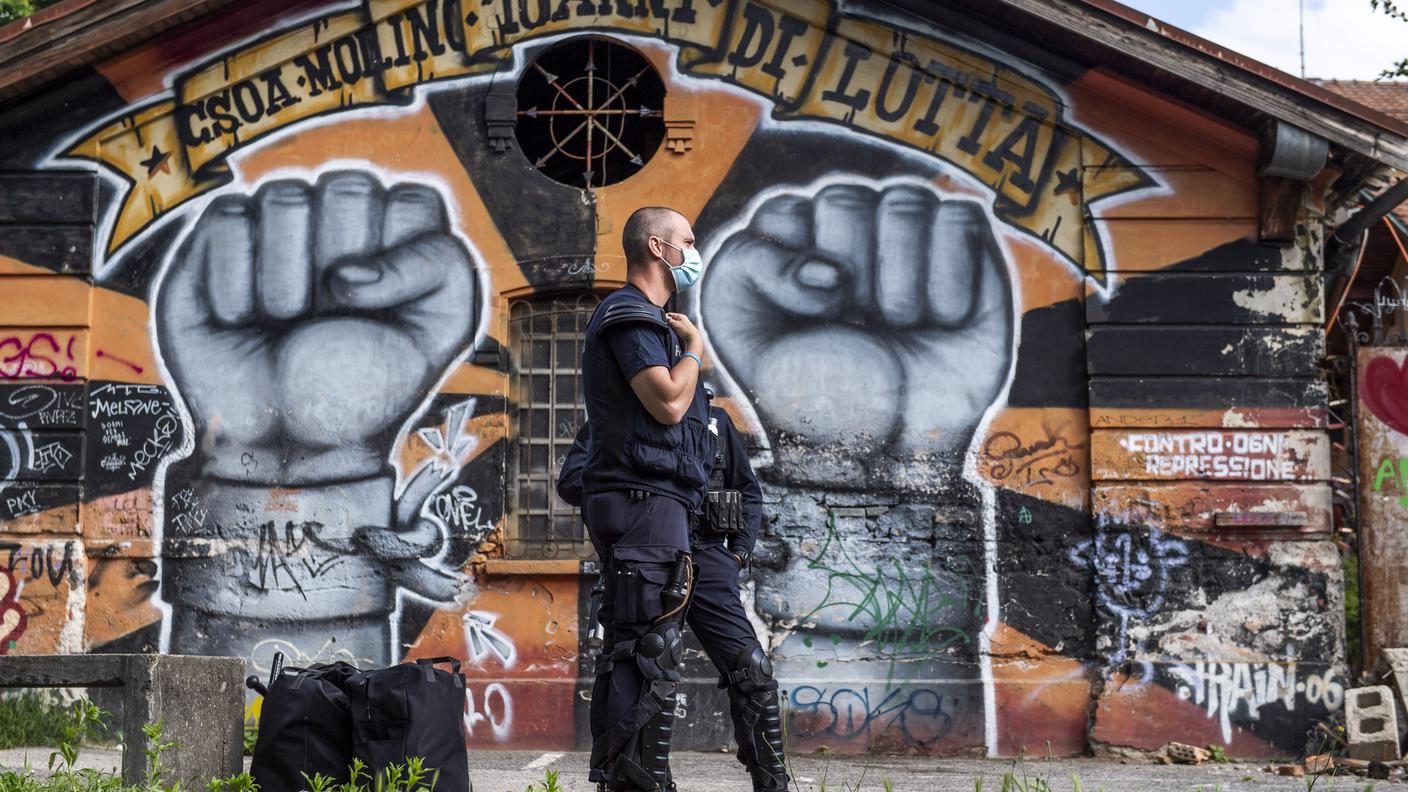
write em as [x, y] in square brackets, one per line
[722, 541]
[646, 471]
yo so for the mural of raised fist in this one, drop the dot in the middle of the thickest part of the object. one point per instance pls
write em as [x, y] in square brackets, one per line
[302, 326]
[871, 327]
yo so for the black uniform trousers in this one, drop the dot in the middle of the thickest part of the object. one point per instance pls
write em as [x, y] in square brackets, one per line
[618, 525]
[716, 614]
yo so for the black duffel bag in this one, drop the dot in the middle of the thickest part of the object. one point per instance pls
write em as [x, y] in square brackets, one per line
[305, 727]
[412, 710]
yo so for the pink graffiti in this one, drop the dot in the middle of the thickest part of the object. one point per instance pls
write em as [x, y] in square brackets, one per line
[126, 363]
[12, 617]
[40, 356]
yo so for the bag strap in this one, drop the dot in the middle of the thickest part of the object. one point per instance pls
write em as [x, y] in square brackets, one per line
[427, 667]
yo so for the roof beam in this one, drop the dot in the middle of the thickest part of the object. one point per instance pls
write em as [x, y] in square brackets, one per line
[68, 36]
[1114, 34]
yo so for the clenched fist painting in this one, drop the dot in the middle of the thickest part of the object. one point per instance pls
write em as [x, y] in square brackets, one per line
[870, 327]
[302, 326]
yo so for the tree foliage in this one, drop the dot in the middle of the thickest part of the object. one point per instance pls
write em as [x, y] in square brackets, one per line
[1391, 9]
[10, 10]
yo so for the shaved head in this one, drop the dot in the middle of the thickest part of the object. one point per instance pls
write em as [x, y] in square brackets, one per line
[644, 223]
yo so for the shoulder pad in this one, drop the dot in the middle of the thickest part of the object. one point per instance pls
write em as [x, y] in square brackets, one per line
[632, 312]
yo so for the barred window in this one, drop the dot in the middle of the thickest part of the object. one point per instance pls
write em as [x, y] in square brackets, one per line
[546, 337]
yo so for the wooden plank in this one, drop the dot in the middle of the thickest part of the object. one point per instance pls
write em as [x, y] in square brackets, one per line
[40, 456]
[66, 249]
[1194, 506]
[49, 353]
[1220, 418]
[1197, 192]
[51, 25]
[40, 508]
[1204, 351]
[44, 300]
[1201, 298]
[36, 405]
[1221, 455]
[32, 56]
[1155, 243]
[1237, 255]
[49, 197]
[1206, 393]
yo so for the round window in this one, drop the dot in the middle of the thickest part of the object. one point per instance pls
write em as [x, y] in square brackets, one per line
[590, 112]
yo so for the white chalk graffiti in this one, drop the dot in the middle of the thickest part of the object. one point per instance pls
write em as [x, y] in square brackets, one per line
[458, 510]
[23, 504]
[497, 711]
[261, 658]
[52, 406]
[1224, 688]
[155, 446]
[113, 400]
[1218, 455]
[51, 456]
[114, 436]
[453, 447]
[482, 638]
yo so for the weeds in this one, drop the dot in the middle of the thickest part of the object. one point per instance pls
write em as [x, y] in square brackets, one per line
[413, 776]
[549, 784]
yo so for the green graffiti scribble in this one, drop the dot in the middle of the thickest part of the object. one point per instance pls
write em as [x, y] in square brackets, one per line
[906, 610]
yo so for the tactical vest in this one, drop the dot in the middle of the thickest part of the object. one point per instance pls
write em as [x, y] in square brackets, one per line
[629, 448]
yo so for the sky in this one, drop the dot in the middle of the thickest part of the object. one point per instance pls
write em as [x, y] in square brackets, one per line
[1344, 39]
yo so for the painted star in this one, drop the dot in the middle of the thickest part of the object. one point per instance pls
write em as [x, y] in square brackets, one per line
[1067, 181]
[158, 161]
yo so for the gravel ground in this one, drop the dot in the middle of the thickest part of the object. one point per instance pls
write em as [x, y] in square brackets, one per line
[511, 771]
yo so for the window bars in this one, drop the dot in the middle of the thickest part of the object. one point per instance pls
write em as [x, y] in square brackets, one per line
[546, 337]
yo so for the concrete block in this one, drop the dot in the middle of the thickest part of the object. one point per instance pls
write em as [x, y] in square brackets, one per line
[1371, 723]
[198, 700]
[1391, 669]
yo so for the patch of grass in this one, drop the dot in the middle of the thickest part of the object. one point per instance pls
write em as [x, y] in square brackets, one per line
[30, 718]
[1218, 754]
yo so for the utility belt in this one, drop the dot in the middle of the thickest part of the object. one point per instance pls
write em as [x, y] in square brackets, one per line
[722, 514]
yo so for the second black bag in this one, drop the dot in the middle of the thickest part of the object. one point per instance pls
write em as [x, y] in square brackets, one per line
[412, 710]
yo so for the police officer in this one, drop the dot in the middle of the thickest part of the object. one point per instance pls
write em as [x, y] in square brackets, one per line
[646, 471]
[722, 542]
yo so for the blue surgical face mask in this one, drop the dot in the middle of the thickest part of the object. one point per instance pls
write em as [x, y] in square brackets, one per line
[688, 273]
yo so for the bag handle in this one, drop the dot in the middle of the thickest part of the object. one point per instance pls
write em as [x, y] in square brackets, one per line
[427, 666]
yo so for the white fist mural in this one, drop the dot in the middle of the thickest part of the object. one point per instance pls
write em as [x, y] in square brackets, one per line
[302, 326]
[871, 328]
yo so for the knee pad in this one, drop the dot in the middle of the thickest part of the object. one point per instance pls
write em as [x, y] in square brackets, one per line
[752, 670]
[658, 653]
